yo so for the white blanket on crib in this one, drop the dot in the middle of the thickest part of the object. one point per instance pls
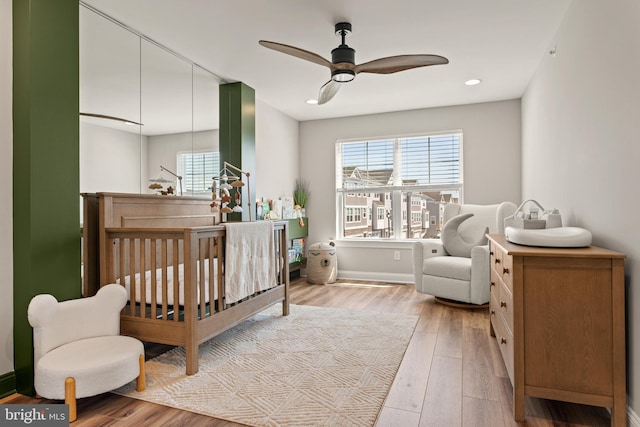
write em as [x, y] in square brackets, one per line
[249, 259]
[170, 284]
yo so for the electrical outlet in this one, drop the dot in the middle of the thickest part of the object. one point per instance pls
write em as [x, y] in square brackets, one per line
[396, 255]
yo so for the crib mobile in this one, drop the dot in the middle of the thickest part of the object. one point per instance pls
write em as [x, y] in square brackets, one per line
[221, 197]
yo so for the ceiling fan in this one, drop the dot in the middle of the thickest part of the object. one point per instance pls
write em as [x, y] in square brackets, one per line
[343, 65]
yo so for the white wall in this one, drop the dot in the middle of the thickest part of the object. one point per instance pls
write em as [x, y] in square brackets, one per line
[277, 165]
[491, 171]
[6, 196]
[109, 159]
[580, 150]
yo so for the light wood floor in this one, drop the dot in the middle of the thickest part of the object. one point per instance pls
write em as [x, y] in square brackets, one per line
[451, 375]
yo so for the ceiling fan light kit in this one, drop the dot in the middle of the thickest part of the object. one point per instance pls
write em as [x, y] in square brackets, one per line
[343, 66]
[343, 76]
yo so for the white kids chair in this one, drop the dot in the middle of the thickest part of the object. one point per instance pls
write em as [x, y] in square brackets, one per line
[78, 349]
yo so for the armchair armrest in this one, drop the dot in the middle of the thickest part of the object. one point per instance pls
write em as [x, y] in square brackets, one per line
[423, 249]
[480, 290]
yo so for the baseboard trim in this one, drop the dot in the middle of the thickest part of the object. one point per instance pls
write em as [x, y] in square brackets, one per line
[7, 384]
[633, 420]
[376, 277]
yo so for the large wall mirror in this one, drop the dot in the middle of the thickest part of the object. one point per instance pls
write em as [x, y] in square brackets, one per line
[147, 114]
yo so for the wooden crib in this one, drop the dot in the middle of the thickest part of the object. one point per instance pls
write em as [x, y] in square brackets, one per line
[173, 267]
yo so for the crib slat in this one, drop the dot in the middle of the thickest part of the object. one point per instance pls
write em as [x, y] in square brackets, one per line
[201, 277]
[121, 271]
[132, 277]
[221, 305]
[142, 244]
[212, 277]
[278, 251]
[165, 294]
[190, 253]
[176, 281]
[154, 280]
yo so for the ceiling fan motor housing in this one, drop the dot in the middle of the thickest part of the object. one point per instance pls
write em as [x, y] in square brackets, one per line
[343, 54]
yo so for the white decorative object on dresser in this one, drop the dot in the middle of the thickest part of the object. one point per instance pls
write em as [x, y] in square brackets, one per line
[558, 315]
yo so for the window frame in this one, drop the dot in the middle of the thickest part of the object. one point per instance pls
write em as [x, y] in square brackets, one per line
[393, 193]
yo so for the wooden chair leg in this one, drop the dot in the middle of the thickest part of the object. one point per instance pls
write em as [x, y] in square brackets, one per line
[141, 381]
[70, 397]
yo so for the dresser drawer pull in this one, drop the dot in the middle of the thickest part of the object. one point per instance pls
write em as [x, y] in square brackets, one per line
[492, 284]
[493, 312]
[491, 253]
[497, 261]
[505, 271]
[503, 304]
[503, 340]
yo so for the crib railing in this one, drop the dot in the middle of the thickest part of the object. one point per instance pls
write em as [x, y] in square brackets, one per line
[153, 262]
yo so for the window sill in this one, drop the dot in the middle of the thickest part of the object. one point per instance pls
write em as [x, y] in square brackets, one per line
[375, 243]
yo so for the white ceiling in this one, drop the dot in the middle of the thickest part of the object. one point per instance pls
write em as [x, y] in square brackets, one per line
[500, 42]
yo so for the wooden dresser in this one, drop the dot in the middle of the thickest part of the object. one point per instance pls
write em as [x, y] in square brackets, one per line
[558, 315]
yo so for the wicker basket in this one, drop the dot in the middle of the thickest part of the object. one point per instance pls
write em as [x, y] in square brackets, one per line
[322, 263]
[520, 220]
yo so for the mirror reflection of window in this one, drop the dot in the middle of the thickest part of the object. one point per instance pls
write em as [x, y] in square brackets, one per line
[197, 170]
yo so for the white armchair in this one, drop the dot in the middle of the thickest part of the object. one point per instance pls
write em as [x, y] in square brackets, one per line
[456, 267]
[78, 349]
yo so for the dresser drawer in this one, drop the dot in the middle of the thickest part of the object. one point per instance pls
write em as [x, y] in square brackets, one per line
[494, 304]
[505, 342]
[507, 270]
[495, 254]
[494, 281]
[505, 304]
[502, 264]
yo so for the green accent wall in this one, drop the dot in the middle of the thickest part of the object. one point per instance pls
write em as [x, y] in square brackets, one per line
[46, 214]
[7, 384]
[238, 137]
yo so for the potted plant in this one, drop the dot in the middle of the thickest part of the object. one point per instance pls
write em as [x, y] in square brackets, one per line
[300, 197]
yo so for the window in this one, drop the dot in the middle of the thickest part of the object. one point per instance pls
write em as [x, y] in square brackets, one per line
[353, 214]
[403, 180]
[197, 170]
[349, 214]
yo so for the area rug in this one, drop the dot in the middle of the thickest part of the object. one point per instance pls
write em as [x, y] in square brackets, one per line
[316, 367]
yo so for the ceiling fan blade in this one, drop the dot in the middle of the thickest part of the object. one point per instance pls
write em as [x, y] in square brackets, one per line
[328, 91]
[393, 64]
[297, 52]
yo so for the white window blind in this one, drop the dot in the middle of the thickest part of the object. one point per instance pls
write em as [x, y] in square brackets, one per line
[368, 163]
[197, 170]
[425, 160]
[431, 160]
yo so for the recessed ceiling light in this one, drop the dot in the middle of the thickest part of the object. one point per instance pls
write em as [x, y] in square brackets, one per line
[473, 82]
[312, 101]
